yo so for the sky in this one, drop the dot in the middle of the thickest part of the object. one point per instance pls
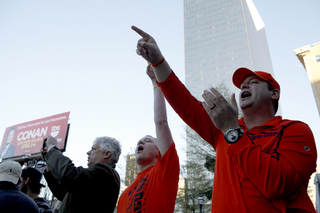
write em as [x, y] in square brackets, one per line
[79, 56]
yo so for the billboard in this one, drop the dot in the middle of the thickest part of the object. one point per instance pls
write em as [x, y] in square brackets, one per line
[26, 138]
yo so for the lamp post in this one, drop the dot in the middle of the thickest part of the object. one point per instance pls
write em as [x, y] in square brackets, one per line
[200, 202]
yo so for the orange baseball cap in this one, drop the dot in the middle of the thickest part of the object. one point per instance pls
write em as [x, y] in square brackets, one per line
[240, 74]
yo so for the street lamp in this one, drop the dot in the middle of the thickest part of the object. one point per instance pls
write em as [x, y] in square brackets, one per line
[200, 202]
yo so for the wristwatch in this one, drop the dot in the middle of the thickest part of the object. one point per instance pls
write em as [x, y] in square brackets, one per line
[233, 135]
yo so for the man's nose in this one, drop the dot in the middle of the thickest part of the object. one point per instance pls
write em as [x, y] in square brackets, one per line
[244, 85]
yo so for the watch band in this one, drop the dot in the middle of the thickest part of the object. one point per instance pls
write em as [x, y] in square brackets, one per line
[239, 132]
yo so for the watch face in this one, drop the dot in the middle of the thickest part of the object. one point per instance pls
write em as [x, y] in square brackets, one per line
[232, 135]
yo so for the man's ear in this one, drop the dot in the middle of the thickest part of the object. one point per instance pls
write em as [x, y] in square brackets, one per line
[275, 94]
[107, 155]
[26, 181]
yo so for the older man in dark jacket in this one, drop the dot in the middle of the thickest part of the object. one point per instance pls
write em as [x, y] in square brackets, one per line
[92, 189]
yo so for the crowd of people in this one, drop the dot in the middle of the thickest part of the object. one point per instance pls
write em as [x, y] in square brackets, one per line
[263, 162]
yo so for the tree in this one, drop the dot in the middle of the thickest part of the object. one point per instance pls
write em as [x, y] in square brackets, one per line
[199, 170]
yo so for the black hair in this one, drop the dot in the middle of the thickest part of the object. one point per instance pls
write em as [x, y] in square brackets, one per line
[276, 102]
[35, 187]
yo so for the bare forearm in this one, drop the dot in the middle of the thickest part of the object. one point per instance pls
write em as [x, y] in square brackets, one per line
[160, 119]
[162, 71]
[160, 112]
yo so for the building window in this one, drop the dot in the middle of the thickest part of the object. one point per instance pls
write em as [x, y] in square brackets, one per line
[317, 57]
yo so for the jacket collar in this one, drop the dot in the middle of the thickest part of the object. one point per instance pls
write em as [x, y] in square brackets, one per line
[273, 122]
[6, 185]
[113, 165]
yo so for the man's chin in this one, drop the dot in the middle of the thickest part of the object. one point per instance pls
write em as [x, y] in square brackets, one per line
[244, 106]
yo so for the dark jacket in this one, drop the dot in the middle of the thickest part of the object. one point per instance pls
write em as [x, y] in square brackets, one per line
[43, 205]
[13, 200]
[94, 189]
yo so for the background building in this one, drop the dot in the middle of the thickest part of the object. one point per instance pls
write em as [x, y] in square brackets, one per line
[221, 36]
[131, 170]
[310, 59]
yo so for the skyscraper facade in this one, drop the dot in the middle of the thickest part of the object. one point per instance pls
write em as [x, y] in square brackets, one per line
[221, 36]
[310, 59]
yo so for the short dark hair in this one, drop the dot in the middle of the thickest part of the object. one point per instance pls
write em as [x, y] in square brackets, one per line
[34, 179]
[276, 102]
[35, 187]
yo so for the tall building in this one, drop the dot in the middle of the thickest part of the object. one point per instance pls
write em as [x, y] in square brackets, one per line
[131, 169]
[221, 36]
[310, 59]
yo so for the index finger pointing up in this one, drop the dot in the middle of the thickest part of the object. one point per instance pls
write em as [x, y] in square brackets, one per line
[140, 32]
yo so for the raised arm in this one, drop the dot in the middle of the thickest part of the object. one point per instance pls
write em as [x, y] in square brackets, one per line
[149, 50]
[164, 137]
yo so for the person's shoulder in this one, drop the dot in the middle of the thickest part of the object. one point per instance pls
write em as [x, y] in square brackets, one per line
[43, 204]
[170, 159]
[104, 172]
[40, 200]
[25, 200]
[171, 150]
[278, 121]
[12, 193]
[103, 168]
[289, 122]
[296, 127]
[25, 197]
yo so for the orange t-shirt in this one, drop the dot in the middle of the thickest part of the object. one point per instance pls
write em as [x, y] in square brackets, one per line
[155, 188]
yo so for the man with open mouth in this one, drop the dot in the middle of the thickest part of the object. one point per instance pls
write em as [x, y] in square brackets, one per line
[263, 162]
[156, 185]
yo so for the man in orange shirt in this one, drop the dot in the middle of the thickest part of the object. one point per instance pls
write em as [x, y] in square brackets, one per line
[156, 185]
[263, 162]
